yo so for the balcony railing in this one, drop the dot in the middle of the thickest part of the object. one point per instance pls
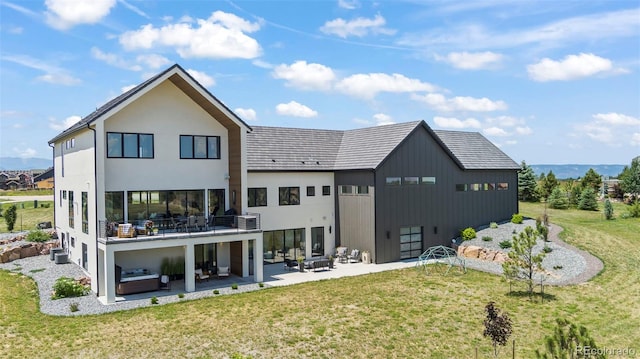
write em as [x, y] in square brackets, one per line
[174, 227]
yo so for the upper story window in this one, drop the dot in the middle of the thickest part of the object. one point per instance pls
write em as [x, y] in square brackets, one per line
[70, 143]
[289, 196]
[428, 180]
[257, 197]
[71, 212]
[326, 190]
[503, 186]
[129, 145]
[311, 191]
[394, 181]
[200, 147]
[85, 212]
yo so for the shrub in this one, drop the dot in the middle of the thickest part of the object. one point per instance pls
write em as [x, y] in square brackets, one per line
[38, 236]
[234, 286]
[66, 287]
[181, 295]
[154, 300]
[547, 249]
[261, 285]
[215, 291]
[517, 218]
[557, 267]
[487, 239]
[74, 307]
[468, 234]
[608, 209]
[493, 225]
[634, 209]
[505, 244]
[10, 216]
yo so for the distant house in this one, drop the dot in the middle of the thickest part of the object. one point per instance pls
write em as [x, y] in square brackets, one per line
[15, 180]
[169, 152]
[44, 180]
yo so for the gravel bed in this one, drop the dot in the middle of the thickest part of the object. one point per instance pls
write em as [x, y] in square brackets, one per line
[564, 265]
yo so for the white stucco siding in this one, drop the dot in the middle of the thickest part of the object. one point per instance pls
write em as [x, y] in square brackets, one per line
[166, 112]
[315, 211]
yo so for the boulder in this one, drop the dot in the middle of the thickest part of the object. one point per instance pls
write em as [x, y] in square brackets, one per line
[500, 257]
[14, 253]
[461, 250]
[472, 251]
[29, 251]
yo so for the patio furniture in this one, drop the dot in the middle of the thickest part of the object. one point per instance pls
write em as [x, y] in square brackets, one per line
[201, 223]
[192, 223]
[290, 264]
[177, 225]
[165, 283]
[341, 254]
[223, 272]
[126, 230]
[354, 256]
[200, 276]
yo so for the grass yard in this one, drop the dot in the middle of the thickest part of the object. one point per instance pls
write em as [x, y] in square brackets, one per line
[396, 314]
[28, 216]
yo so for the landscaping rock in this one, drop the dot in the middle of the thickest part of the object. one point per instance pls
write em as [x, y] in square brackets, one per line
[472, 251]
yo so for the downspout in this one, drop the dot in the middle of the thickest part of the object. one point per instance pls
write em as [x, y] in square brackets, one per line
[55, 207]
[95, 195]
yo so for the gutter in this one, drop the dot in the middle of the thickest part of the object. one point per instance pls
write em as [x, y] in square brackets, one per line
[55, 207]
[95, 195]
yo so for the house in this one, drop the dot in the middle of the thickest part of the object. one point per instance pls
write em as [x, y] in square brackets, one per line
[391, 190]
[168, 151]
[44, 180]
[16, 180]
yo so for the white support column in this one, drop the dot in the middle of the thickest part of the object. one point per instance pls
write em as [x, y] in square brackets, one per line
[258, 265]
[245, 258]
[109, 277]
[189, 270]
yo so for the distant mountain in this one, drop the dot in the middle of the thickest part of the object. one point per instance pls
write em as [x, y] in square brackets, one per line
[575, 171]
[16, 163]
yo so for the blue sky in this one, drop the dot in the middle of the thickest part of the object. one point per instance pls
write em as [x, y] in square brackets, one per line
[547, 81]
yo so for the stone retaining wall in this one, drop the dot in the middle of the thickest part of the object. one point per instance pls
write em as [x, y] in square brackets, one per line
[32, 249]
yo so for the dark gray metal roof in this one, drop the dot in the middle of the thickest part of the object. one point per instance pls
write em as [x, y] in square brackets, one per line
[84, 122]
[474, 152]
[288, 149]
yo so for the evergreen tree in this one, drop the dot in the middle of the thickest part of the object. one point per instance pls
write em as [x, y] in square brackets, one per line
[608, 209]
[569, 341]
[548, 184]
[588, 200]
[527, 184]
[592, 180]
[10, 216]
[574, 196]
[558, 199]
[630, 177]
[522, 263]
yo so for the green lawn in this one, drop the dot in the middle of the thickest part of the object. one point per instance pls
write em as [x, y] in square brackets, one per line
[28, 216]
[395, 314]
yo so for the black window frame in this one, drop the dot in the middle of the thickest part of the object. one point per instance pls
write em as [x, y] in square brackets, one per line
[326, 190]
[208, 155]
[286, 198]
[252, 197]
[139, 151]
[311, 191]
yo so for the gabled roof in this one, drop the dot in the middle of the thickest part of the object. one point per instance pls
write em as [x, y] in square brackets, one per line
[44, 175]
[283, 149]
[179, 77]
[474, 152]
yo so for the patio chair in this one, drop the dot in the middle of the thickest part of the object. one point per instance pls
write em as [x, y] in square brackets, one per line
[177, 225]
[223, 272]
[354, 256]
[192, 223]
[201, 223]
[126, 230]
[341, 254]
[290, 264]
[200, 276]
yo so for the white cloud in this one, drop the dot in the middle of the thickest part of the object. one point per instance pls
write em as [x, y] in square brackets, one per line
[221, 36]
[16, 30]
[505, 121]
[65, 14]
[382, 119]
[526, 130]
[349, 5]
[472, 60]
[204, 79]
[460, 103]
[357, 27]
[59, 79]
[64, 124]
[613, 129]
[570, 68]
[617, 119]
[305, 76]
[367, 86]
[246, 114]
[25, 153]
[495, 131]
[511, 142]
[295, 109]
[153, 61]
[452, 122]
[262, 64]
[127, 88]
[53, 74]
[113, 60]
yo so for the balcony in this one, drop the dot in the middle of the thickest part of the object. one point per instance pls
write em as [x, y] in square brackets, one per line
[181, 227]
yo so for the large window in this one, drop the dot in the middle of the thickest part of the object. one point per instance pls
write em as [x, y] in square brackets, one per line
[129, 145]
[257, 197]
[156, 205]
[71, 219]
[317, 241]
[283, 244]
[85, 212]
[200, 147]
[410, 242]
[289, 196]
[114, 206]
